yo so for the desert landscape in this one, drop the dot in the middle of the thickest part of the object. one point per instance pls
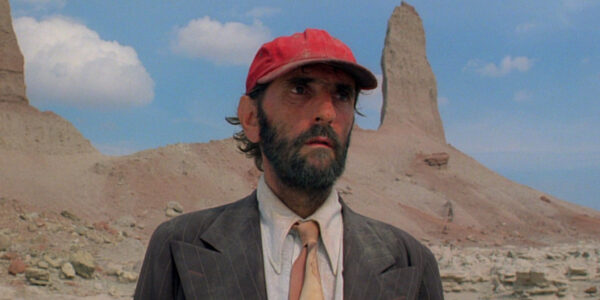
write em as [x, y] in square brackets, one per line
[74, 223]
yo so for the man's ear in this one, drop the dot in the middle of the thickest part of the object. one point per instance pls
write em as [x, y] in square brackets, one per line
[248, 116]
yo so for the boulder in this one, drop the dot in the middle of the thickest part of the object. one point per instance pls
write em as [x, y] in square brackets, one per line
[591, 290]
[83, 263]
[4, 242]
[67, 271]
[128, 277]
[17, 266]
[437, 160]
[173, 209]
[37, 276]
[53, 262]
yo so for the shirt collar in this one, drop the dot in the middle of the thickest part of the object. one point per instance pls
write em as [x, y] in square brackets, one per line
[278, 219]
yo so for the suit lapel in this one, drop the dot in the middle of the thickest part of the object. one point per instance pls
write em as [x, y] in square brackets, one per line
[226, 261]
[371, 271]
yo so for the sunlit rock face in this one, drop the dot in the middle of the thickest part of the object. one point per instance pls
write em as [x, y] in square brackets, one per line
[12, 83]
[409, 85]
[23, 128]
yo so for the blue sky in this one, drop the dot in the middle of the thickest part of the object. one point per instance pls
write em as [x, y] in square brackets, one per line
[518, 81]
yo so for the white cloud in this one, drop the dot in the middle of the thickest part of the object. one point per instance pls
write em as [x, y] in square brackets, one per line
[223, 43]
[66, 62]
[506, 66]
[263, 11]
[522, 96]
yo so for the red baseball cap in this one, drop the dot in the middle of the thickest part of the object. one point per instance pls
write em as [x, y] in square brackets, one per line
[286, 53]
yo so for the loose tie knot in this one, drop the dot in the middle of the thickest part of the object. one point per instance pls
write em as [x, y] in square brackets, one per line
[305, 280]
[308, 232]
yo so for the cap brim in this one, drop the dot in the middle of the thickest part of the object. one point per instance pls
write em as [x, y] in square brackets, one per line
[364, 78]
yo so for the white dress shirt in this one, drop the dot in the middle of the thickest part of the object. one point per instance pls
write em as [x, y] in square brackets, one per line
[281, 247]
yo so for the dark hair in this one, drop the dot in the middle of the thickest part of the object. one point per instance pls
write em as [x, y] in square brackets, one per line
[252, 150]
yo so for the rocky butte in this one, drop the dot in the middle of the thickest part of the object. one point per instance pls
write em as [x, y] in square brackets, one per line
[59, 195]
[12, 81]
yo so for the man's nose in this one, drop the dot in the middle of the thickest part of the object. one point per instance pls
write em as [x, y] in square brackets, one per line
[325, 108]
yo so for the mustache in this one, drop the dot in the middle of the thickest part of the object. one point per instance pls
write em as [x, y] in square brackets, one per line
[318, 131]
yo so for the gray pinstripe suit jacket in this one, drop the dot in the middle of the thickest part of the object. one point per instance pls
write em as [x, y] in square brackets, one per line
[217, 254]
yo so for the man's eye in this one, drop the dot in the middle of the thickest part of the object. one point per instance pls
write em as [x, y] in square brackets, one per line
[300, 90]
[344, 95]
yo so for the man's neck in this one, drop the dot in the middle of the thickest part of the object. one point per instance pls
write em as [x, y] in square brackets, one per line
[303, 203]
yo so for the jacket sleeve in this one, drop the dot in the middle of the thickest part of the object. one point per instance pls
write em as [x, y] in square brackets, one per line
[431, 284]
[158, 277]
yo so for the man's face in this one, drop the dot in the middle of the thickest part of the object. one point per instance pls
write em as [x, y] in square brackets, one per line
[306, 117]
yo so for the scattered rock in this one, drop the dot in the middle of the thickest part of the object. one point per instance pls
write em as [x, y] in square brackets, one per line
[126, 221]
[113, 269]
[67, 271]
[4, 242]
[55, 263]
[17, 266]
[37, 276]
[69, 215]
[106, 227]
[95, 237]
[591, 290]
[83, 263]
[545, 199]
[113, 291]
[9, 255]
[173, 209]
[531, 278]
[454, 276]
[438, 160]
[128, 277]
[577, 272]
[546, 290]
[42, 264]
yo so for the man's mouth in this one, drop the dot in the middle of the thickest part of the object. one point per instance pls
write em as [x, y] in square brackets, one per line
[320, 141]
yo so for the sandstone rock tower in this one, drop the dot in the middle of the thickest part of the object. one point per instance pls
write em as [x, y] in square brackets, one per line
[12, 82]
[23, 128]
[409, 86]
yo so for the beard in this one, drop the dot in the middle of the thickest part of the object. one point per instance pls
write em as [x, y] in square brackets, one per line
[292, 168]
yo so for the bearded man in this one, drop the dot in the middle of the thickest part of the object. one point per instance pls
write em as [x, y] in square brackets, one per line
[293, 237]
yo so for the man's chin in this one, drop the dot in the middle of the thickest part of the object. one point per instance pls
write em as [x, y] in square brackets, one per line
[320, 159]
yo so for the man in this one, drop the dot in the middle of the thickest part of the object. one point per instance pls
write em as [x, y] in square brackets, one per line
[293, 237]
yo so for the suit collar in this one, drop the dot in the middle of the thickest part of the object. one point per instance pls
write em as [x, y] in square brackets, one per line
[371, 271]
[229, 255]
[236, 225]
[363, 248]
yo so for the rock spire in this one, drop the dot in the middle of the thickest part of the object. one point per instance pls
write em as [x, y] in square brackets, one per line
[409, 85]
[12, 80]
